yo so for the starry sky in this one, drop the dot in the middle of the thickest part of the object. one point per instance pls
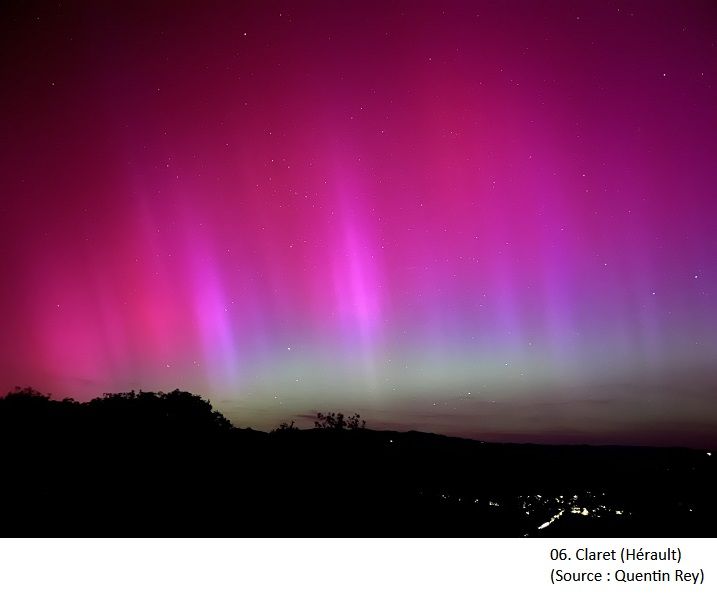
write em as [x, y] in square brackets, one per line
[488, 219]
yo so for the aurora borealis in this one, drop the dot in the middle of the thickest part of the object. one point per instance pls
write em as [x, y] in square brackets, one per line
[495, 220]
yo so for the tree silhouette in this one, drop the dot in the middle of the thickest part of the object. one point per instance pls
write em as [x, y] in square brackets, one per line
[284, 427]
[152, 413]
[338, 421]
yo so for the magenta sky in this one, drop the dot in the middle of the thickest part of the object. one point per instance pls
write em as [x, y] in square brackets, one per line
[488, 219]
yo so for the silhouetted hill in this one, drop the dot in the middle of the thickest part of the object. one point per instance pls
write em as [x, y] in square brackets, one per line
[147, 464]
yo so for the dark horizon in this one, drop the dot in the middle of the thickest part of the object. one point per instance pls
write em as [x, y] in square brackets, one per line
[168, 464]
[306, 421]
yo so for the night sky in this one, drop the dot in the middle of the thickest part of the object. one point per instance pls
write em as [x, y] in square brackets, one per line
[488, 219]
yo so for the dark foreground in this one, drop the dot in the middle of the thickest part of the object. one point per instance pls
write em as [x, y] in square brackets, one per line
[167, 465]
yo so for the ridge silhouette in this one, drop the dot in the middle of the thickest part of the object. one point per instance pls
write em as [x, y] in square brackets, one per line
[168, 464]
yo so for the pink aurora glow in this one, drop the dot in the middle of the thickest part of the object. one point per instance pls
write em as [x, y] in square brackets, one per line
[430, 215]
